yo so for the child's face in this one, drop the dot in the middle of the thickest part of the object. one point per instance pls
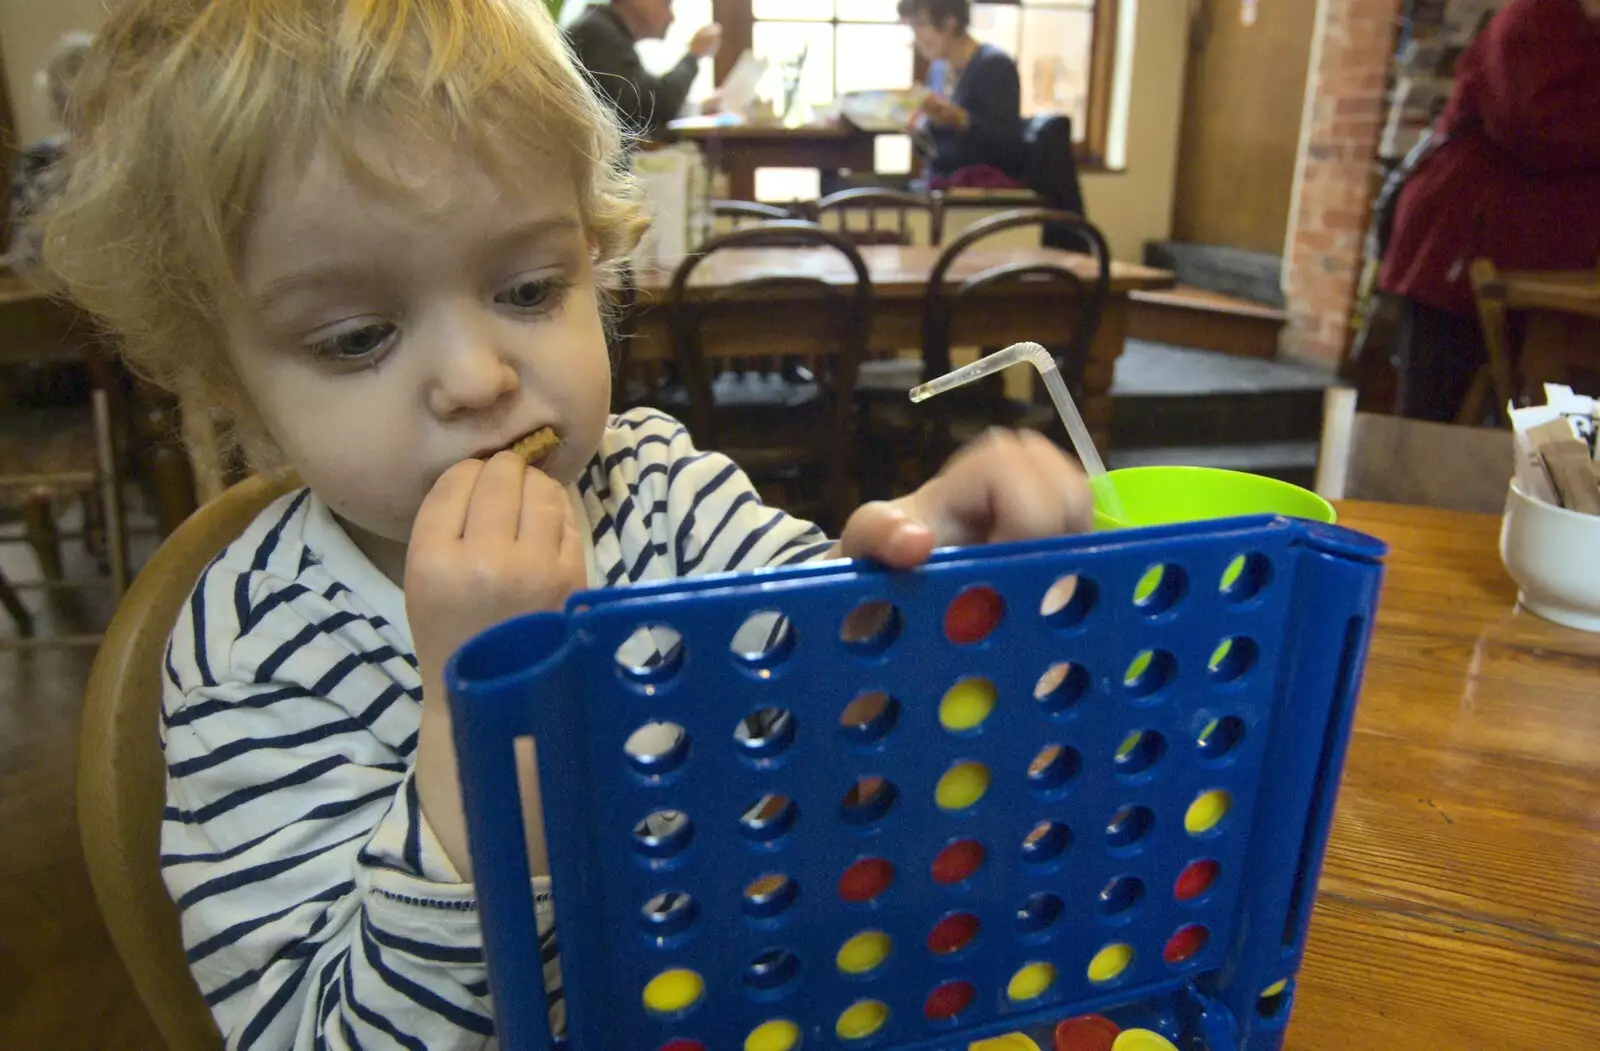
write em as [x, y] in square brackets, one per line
[386, 337]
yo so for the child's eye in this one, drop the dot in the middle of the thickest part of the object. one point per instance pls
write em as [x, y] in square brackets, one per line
[533, 295]
[355, 346]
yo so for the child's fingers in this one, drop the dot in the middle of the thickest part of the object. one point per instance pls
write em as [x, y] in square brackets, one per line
[443, 514]
[1064, 480]
[545, 508]
[887, 533]
[497, 498]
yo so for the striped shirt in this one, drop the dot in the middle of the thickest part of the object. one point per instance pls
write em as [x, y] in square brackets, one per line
[318, 909]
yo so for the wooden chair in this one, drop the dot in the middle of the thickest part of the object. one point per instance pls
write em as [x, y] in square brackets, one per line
[1393, 460]
[791, 430]
[743, 213]
[47, 454]
[859, 212]
[937, 428]
[121, 775]
[1561, 339]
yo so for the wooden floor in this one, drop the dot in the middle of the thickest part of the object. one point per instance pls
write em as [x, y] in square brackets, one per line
[61, 984]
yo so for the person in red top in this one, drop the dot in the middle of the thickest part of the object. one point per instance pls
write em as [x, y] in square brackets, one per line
[1517, 181]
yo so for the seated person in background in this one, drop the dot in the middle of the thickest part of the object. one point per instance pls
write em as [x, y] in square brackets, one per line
[37, 174]
[974, 113]
[603, 38]
[1517, 181]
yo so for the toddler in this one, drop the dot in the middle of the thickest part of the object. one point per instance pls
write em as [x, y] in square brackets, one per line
[376, 233]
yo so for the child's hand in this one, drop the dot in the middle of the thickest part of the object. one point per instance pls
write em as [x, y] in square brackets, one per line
[1005, 486]
[491, 541]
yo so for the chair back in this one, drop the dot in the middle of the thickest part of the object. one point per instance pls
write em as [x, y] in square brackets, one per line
[740, 214]
[1087, 292]
[1052, 173]
[1558, 318]
[122, 776]
[1392, 460]
[869, 215]
[818, 325]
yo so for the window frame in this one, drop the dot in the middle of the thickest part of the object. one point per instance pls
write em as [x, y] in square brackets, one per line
[737, 18]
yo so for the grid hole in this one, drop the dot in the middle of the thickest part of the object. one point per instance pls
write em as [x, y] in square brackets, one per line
[1245, 577]
[868, 800]
[765, 640]
[768, 817]
[1120, 896]
[651, 656]
[1053, 768]
[871, 628]
[1068, 601]
[668, 914]
[1138, 752]
[1128, 826]
[869, 718]
[1045, 842]
[1220, 736]
[1148, 672]
[663, 834]
[769, 895]
[1062, 686]
[657, 749]
[1162, 587]
[765, 732]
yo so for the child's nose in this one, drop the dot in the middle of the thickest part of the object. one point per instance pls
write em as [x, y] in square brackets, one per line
[473, 375]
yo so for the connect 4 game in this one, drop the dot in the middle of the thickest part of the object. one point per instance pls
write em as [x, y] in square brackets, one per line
[837, 807]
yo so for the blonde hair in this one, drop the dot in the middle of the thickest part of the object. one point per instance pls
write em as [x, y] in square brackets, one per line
[182, 104]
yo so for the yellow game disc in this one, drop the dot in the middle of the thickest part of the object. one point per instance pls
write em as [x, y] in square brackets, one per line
[861, 1019]
[1032, 981]
[863, 952]
[1109, 963]
[1207, 811]
[672, 991]
[1142, 1040]
[780, 1034]
[1275, 989]
[1008, 1042]
[962, 786]
[966, 705]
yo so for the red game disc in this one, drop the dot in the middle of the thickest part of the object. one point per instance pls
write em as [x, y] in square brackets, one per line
[973, 615]
[948, 1001]
[865, 880]
[1196, 880]
[1086, 1033]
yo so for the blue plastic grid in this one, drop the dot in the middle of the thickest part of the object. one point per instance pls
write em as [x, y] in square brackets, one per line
[639, 892]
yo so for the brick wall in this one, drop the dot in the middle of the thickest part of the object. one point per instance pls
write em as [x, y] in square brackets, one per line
[1345, 116]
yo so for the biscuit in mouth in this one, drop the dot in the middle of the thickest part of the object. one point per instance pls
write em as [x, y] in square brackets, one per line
[535, 447]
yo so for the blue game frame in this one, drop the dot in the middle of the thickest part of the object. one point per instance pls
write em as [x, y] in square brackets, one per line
[1296, 615]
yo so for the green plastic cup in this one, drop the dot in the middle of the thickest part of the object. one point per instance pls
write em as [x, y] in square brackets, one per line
[1151, 496]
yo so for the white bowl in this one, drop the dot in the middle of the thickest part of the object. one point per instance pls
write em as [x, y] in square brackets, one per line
[1554, 556]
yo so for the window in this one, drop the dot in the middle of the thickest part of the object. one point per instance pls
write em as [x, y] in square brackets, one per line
[1065, 50]
[1053, 43]
[839, 45]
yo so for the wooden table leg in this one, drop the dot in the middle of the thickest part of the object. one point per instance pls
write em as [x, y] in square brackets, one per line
[13, 605]
[39, 517]
[1101, 370]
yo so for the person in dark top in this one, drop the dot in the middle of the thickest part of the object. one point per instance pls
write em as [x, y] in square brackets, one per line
[1517, 181]
[603, 38]
[974, 111]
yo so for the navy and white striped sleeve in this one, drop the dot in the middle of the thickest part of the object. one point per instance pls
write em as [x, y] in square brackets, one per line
[714, 520]
[318, 910]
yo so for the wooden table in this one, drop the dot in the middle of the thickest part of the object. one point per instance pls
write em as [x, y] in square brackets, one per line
[1459, 908]
[742, 148]
[1002, 314]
